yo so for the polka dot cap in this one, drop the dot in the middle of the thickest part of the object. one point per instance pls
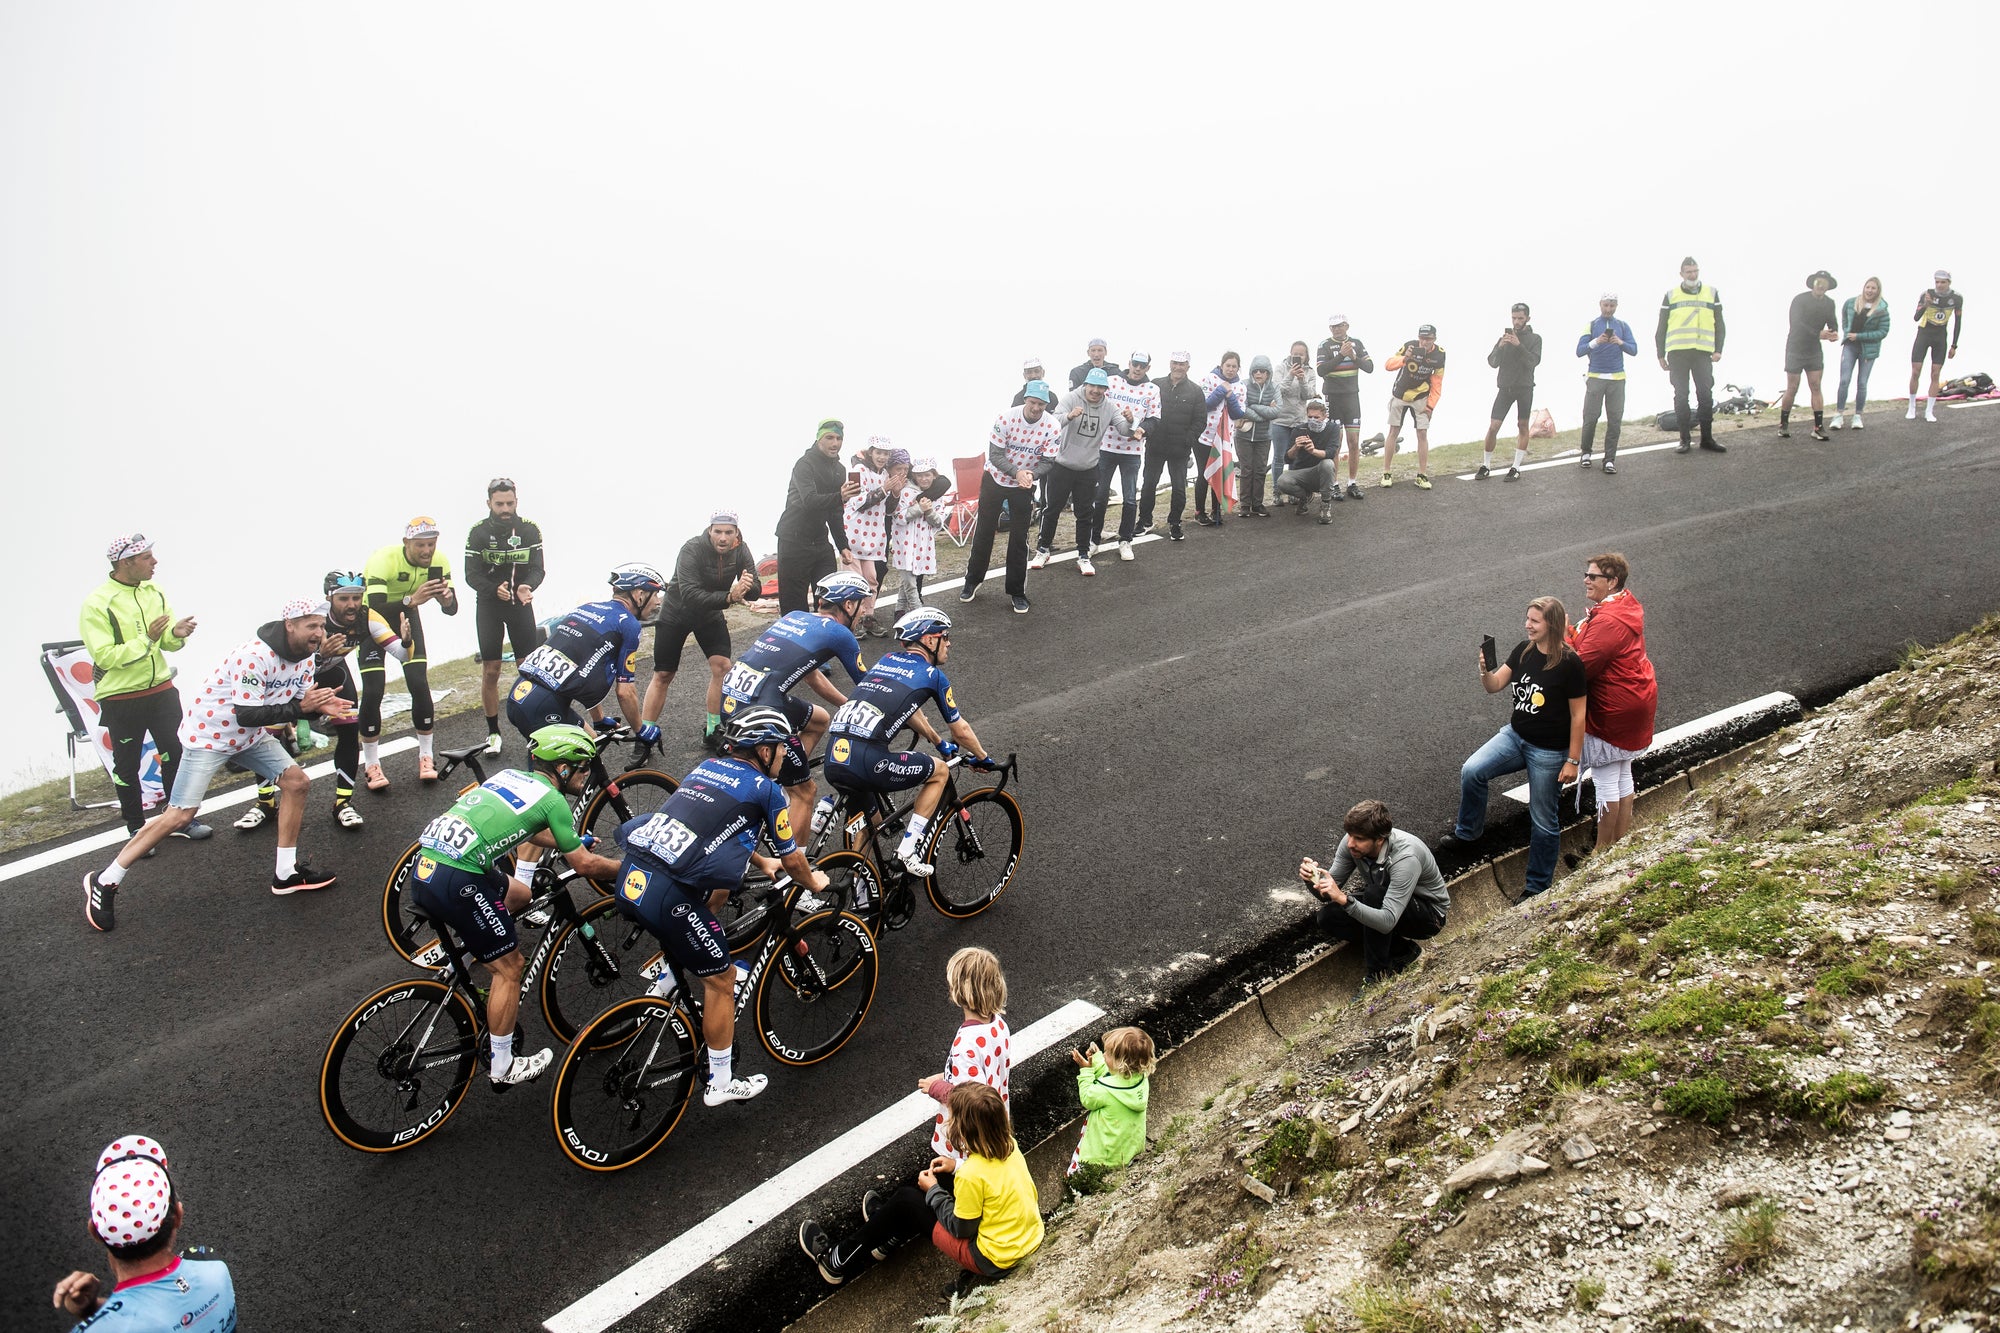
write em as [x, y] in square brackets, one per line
[131, 1195]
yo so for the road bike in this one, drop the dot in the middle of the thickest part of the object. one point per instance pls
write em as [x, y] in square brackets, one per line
[1741, 402]
[604, 804]
[625, 1081]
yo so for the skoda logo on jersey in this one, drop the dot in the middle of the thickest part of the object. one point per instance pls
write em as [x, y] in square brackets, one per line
[841, 749]
[635, 885]
[426, 867]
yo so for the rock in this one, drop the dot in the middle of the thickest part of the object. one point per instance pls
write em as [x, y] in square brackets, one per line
[1901, 1119]
[1498, 1167]
[1896, 1133]
[1579, 1149]
[1430, 1200]
[1533, 1166]
[1352, 1123]
[1448, 1021]
[1395, 1164]
[1659, 1106]
[1736, 1193]
[1631, 1221]
[1252, 1185]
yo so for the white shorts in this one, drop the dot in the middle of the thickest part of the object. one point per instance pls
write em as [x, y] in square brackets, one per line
[1610, 770]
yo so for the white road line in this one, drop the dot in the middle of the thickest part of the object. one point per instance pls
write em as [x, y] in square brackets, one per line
[1977, 402]
[1675, 735]
[1568, 457]
[715, 1234]
[117, 837]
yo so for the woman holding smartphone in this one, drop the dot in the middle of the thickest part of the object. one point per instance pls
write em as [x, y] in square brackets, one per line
[1544, 735]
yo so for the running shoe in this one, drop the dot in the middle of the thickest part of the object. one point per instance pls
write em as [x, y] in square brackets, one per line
[1839, 422]
[195, 832]
[968, 592]
[1325, 513]
[1610, 468]
[376, 779]
[1584, 461]
[253, 818]
[1684, 447]
[427, 769]
[1819, 434]
[1085, 568]
[1258, 511]
[1039, 559]
[1201, 520]
[1174, 533]
[1387, 481]
[1144, 530]
[1857, 421]
[1930, 413]
[1784, 430]
[1513, 474]
[1020, 606]
[813, 1240]
[493, 743]
[872, 1203]
[302, 880]
[1714, 447]
[1336, 495]
[1423, 482]
[345, 815]
[1125, 551]
[1354, 491]
[99, 903]
[1482, 473]
[738, 1089]
[525, 1069]
[1911, 415]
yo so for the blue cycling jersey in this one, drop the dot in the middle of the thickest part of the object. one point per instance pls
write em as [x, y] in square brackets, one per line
[890, 694]
[796, 645]
[191, 1294]
[703, 836]
[587, 650]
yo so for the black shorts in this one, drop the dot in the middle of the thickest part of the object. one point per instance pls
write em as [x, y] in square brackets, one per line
[474, 906]
[692, 936]
[1933, 338]
[495, 619]
[797, 767]
[532, 705]
[1803, 356]
[1522, 400]
[874, 767]
[670, 635]
[1345, 410]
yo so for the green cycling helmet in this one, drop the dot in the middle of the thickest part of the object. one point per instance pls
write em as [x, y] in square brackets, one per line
[563, 744]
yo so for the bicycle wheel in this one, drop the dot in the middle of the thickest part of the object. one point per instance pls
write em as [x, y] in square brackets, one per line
[598, 960]
[624, 1083]
[853, 885]
[641, 792]
[409, 935]
[742, 917]
[399, 1065]
[814, 993]
[973, 853]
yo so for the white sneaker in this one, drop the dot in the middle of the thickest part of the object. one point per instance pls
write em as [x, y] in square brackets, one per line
[1125, 550]
[738, 1089]
[1838, 423]
[346, 815]
[1039, 559]
[493, 743]
[1090, 550]
[1857, 421]
[252, 818]
[1085, 568]
[525, 1069]
[1930, 412]
[1911, 415]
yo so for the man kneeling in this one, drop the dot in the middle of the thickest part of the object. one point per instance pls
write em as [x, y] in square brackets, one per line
[1400, 898]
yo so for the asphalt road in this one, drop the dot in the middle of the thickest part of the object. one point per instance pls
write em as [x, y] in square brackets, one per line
[1188, 725]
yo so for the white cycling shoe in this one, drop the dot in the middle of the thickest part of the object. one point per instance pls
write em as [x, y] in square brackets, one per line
[738, 1089]
[911, 861]
[525, 1069]
[252, 818]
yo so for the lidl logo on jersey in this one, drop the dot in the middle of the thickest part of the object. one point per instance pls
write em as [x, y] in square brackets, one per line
[631, 661]
[521, 688]
[635, 885]
[426, 868]
[841, 749]
[783, 825]
[949, 702]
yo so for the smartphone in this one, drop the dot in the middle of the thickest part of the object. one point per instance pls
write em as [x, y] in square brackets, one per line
[432, 573]
[1488, 653]
[854, 478]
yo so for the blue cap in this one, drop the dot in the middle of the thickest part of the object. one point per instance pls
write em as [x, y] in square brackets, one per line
[1099, 378]
[1039, 389]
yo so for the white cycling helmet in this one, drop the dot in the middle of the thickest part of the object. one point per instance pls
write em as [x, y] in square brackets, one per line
[920, 622]
[842, 586]
[637, 577]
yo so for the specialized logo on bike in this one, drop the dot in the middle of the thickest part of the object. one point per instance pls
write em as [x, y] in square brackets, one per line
[635, 885]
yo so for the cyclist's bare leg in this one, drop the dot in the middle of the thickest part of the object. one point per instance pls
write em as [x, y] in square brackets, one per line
[718, 1009]
[931, 792]
[503, 998]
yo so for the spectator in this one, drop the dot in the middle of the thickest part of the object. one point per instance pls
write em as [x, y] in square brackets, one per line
[1031, 370]
[1864, 323]
[1222, 395]
[1138, 401]
[1016, 450]
[1096, 352]
[866, 518]
[1341, 362]
[1938, 306]
[1419, 367]
[813, 500]
[713, 572]
[1813, 321]
[1544, 736]
[1610, 641]
[1087, 419]
[1515, 356]
[401, 579]
[136, 1214]
[1114, 1085]
[988, 1220]
[1183, 416]
[1297, 386]
[920, 514]
[129, 629]
[1400, 899]
[1261, 407]
[1607, 342]
[503, 563]
[1688, 341]
[982, 1048]
[266, 682]
[1309, 464]
[346, 629]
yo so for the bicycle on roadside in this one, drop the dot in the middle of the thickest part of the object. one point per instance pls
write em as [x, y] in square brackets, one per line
[605, 803]
[627, 1077]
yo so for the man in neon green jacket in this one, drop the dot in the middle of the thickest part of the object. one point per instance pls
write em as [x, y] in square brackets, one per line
[129, 629]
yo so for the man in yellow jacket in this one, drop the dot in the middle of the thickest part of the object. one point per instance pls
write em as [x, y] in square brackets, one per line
[1688, 341]
[128, 629]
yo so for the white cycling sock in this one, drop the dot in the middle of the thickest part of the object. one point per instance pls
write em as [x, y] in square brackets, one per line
[424, 745]
[371, 752]
[1520, 457]
[288, 862]
[719, 1062]
[503, 1054]
[915, 832]
[1488, 459]
[110, 875]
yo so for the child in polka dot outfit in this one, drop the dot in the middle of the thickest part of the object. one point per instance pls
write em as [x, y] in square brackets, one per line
[867, 521]
[982, 1051]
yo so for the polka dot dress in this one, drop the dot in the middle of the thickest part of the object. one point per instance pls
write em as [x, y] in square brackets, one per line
[982, 1052]
[867, 532]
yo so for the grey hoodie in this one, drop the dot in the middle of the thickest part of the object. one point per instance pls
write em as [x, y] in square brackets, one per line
[1083, 437]
[1294, 394]
[1260, 401]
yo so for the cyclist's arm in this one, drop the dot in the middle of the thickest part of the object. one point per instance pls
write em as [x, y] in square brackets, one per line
[823, 687]
[562, 835]
[628, 703]
[962, 733]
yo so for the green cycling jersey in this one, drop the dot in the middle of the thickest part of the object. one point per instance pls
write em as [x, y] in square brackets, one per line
[497, 816]
[393, 578]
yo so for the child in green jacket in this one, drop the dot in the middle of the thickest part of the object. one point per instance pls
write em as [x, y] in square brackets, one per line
[1113, 1084]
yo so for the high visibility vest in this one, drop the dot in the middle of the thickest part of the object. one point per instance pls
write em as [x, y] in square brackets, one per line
[1691, 319]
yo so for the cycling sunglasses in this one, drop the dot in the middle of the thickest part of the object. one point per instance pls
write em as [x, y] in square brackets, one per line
[348, 581]
[499, 484]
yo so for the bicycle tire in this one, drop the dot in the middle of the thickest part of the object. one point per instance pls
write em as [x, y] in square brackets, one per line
[601, 1084]
[816, 990]
[360, 1099]
[597, 961]
[743, 916]
[986, 830]
[845, 872]
[408, 934]
[640, 792]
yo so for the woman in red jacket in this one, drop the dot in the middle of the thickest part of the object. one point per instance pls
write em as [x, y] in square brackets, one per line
[1618, 718]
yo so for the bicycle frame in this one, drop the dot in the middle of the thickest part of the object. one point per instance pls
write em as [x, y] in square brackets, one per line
[883, 805]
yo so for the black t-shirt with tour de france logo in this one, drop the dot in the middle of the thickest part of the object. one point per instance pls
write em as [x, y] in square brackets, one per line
[1542, 694]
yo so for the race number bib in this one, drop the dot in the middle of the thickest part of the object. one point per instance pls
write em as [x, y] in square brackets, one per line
[448, 835]
[549, 666]
[857, 718]
[662, 836]
[743, 682]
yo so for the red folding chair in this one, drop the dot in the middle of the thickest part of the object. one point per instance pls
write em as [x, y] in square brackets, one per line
[964, 511]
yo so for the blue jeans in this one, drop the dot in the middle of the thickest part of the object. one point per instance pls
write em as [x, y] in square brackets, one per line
[1508, 753]
[1126, 468]
[1850, 358]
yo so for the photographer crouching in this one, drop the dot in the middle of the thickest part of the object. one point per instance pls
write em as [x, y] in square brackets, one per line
[1398, 898]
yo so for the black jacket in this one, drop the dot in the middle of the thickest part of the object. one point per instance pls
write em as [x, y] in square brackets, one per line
[1517, 364]
[501, 551]
[703, 577]
[813, 503]
[1183, 415]
[1077, 373]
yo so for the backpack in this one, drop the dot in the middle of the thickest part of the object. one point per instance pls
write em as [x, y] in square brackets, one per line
[1975, 385]
[1667, 420]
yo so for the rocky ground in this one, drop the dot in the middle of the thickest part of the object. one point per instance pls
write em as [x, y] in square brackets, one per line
[1741, 1073]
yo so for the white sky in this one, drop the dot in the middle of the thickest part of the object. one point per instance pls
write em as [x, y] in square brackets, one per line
[276, 276]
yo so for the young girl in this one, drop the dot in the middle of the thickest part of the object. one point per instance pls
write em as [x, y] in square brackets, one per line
[920, 513]
[979, 1206]
[1113, 1084]
[867, 522]
[982, 1051]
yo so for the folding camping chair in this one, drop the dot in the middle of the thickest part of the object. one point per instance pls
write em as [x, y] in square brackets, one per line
[964, 512]
[79, 730]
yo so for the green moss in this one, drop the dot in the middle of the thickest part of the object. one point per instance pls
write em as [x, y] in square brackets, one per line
[1709, 1098]
[1587, 1293]
[1986, 932]
[1532, 1036]
[1709, 1009]
[1830, 1101]
[1499, 992]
